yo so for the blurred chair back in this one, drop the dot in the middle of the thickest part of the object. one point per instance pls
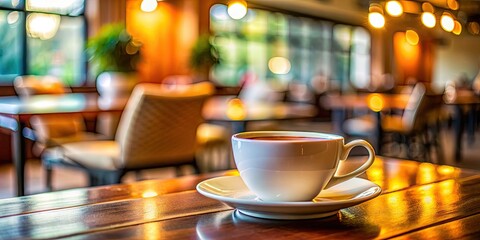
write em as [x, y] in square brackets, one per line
[415, 105]
[159, 125]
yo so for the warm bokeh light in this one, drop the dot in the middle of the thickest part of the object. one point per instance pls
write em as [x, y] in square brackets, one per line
[149, 5]
[149, 194]
[376, 19]
[279, 65]
[376, 173]
[457, 28]
[428, 19]
[412, 37]
[453, 4]
[447, 23]
[446, 170]
[428, 7]
[426, 173]
[447, 188]
[237, 9]
[375, 102]
[394, 8]
[407, 56]
[236, 109]
[474, 28]
[43, 26]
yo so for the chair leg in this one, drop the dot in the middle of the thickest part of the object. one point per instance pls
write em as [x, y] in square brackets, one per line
[93, 180]
[48, 177]
[178, 171]
[196, 167]
[438, 143]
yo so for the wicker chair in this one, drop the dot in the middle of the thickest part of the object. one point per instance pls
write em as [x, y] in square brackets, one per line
[158, 128]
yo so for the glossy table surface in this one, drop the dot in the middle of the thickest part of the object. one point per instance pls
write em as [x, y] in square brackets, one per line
[419, 201]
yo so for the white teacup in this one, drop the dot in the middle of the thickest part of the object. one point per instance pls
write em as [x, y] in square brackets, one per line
[291, 166]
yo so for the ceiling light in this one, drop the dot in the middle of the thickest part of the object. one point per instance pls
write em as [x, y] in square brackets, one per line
[457, 28]
[377, 20]
[428, 19]
[474, 28]
[447, 23]
[394, 8]
[237, 9]
[453, 4]
[148, 5]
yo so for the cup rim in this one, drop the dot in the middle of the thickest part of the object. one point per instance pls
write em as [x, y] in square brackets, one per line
[246, 136]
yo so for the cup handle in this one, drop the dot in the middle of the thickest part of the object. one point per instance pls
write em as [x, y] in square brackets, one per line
[346, 150]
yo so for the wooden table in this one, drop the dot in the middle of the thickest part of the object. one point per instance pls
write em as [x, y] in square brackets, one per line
[419, 201]
[217, 109]
[15, 113]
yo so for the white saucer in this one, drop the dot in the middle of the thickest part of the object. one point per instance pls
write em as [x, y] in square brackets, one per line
[232, 191]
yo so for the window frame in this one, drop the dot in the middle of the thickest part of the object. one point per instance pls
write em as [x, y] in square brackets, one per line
[24, 62]
[329, 51]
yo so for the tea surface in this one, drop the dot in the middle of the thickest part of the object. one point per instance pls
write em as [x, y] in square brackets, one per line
[285, 138]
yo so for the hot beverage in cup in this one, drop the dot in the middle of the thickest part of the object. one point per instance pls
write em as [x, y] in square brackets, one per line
[293, 166]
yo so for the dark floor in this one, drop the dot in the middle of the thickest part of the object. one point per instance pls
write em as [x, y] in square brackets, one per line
[67, 178]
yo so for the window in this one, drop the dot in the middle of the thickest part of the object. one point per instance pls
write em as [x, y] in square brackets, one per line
[263, 42]
[43, 37]
[11, 52]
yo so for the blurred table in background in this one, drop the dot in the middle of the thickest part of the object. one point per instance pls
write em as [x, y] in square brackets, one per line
[228, 109]
[344, 105]
[419, 200]
[15, 113]
[464, 103]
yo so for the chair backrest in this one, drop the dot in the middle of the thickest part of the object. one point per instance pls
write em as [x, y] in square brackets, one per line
[29, 85]
[158, 126]
[415, 105]
[53, 126]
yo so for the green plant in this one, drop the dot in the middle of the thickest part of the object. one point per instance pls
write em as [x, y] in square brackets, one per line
[203, 54]
[113, 49]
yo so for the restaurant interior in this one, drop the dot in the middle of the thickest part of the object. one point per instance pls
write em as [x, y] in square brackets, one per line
[234, 119]
[403, 75]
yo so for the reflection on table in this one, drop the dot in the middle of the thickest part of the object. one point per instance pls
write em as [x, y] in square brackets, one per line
[419, 200]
